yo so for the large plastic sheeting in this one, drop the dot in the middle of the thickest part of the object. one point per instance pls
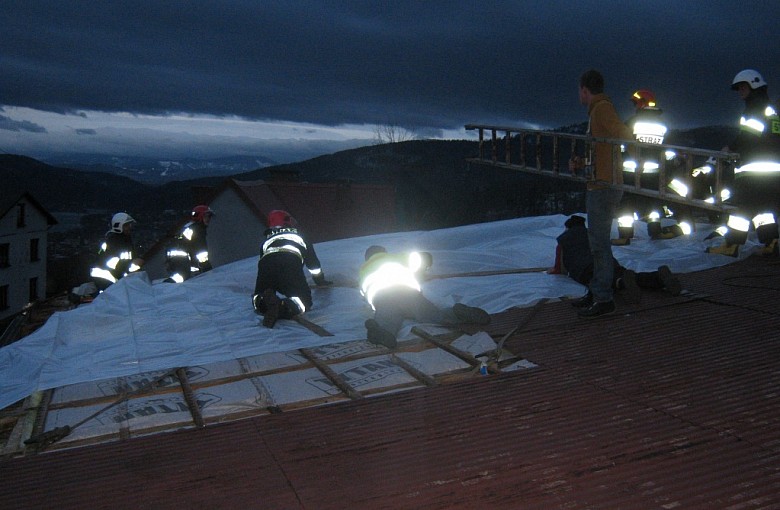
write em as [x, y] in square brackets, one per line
[138, 326]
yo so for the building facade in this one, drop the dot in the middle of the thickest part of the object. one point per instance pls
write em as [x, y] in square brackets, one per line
[23, 235]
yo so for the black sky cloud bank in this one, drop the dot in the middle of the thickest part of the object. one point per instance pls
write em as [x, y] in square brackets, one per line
[17, 126]
[429, 65]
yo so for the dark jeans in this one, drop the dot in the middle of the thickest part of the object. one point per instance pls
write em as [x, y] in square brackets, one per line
[649, 280]
[394, 305]
[601, 205]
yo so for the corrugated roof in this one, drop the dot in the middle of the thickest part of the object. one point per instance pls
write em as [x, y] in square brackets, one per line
[668, 403]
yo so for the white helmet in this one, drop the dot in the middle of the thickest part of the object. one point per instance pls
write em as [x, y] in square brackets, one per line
[119, 220]
[751, 77]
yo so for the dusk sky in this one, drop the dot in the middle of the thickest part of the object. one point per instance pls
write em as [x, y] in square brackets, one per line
[173, 78]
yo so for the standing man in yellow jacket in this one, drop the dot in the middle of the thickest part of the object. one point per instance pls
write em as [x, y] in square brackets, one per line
[601, 199]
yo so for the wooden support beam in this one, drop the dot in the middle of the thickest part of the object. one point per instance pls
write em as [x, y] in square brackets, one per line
[335, 378]
[189, 397]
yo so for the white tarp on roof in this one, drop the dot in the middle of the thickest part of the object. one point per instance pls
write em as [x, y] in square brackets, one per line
[136, 326]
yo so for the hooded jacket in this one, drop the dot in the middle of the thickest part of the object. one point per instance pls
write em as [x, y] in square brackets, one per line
[605, 123]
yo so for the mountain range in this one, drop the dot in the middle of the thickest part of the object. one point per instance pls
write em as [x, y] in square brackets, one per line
[160, 171]
[431, 176]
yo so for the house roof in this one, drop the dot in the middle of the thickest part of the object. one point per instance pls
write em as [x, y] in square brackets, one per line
[7, 203]
[328, 211]
[670, 403]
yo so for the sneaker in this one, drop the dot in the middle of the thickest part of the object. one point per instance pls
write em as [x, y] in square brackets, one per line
[597, 310]
[631, 290]
[272, 307]
[583, 302]
[670, 281]
[471, 314]
[380, 336]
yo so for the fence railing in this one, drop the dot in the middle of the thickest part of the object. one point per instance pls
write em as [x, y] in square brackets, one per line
[509, 147]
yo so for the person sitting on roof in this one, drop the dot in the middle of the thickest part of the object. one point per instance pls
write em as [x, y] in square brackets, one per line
[115, 256]
[284, 252]
[573, 259]
[188, 253]
[389, 283]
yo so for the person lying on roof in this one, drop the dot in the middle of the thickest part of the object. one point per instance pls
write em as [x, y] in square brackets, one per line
[573, 259]
[389, 283]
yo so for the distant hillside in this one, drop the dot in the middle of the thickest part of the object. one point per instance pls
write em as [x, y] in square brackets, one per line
[712, 138]
[435, 186]
[65, 189]
[160, 171]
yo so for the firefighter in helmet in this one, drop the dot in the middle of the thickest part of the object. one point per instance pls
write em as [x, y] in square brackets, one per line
[649, 128]
[115, 256]
[757, 172]
[758, 145]
[390, 284]
[281, 289]
[188, 253]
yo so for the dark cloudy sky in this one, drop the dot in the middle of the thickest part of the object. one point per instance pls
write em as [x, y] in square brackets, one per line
[130, 75]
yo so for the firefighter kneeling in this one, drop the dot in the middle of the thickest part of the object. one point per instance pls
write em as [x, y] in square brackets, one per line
[285, 251]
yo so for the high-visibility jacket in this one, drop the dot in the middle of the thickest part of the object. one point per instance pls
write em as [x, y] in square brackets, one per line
[115, 258]
[758, 141]
[291, 240]
[384, 271]
[188, 252]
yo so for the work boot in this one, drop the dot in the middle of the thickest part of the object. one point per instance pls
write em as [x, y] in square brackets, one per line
[272, 308]
[583, 302]
[597, 309]
[622, 241]
[631, 290]
[732, 250]
[670, 281]
[471, 314]
[378, 335]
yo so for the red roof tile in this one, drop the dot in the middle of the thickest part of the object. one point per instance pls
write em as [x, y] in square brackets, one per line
[669, 403]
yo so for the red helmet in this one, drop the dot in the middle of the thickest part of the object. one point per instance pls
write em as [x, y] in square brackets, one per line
[643, 98]
[201, 211]
[278, 218]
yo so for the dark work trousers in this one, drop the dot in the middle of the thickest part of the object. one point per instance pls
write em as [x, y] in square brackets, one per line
[649, 280]
[395, 304]
[283, 272]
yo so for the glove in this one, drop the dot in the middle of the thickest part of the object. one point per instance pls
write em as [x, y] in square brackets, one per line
[321, 281]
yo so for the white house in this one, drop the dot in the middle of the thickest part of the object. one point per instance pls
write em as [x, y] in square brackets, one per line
[23, 234]
[325, 211]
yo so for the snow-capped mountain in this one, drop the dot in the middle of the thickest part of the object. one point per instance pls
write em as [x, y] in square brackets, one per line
[160, 171]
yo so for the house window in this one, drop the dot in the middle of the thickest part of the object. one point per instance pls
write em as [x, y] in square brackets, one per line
[34, 255]
[5, 252]
[33, 289]
[3, 297]
[20, 219]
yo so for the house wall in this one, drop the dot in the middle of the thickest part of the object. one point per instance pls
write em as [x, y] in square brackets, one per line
[235, 232]
[21, 269]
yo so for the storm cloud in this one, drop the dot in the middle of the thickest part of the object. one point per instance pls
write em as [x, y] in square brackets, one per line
[8, 124]
[427, 66]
